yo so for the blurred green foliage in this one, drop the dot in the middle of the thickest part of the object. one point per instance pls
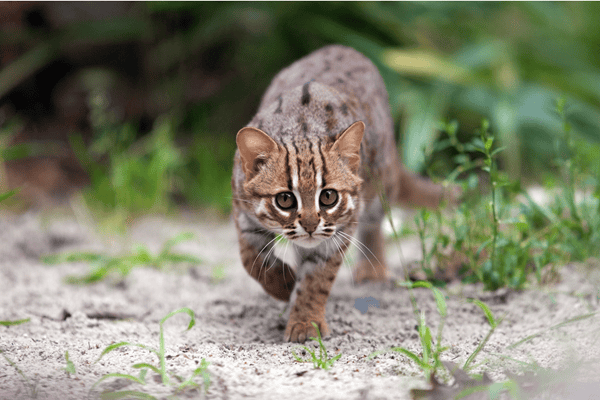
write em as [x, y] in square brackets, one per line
[507, 61]
[502, 236]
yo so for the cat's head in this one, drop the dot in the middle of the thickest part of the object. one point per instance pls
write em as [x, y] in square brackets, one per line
[304, 188]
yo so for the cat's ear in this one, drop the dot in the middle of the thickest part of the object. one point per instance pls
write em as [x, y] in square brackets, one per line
[255, 148]
[348, 144]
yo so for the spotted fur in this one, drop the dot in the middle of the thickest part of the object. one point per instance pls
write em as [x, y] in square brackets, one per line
[310, 168]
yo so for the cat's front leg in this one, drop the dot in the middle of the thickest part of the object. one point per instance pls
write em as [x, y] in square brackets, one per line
[275, 276]
[316, 276]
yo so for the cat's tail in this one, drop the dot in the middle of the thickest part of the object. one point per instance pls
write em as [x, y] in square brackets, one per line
[416, 191]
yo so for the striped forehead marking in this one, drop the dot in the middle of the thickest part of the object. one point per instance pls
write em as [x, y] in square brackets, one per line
[292, 166]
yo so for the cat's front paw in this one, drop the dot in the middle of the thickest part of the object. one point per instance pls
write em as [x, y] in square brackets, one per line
[298, 332]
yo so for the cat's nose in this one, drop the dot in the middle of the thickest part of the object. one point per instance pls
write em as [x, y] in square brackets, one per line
[310, 225]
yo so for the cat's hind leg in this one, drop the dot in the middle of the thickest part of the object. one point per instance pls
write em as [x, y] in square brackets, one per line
[371, 245]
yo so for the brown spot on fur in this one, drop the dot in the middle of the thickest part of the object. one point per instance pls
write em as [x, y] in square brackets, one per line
[344, 108]
[331, 123]
[280, 100]
[305, 94]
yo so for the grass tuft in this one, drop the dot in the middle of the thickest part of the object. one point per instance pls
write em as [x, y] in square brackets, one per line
[161, 370]
[429, 360]
[104, 265]
[500, 239]
[322, 361]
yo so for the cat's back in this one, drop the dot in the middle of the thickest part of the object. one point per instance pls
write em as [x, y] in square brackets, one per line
[337, 66]
[323, 93]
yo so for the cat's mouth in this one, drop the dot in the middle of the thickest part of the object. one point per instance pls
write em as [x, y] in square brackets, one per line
[308, 242]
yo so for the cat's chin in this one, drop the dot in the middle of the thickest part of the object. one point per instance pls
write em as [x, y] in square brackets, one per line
[308, 243]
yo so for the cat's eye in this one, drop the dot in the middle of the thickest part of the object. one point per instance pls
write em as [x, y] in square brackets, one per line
[328, 197]
[285, 200]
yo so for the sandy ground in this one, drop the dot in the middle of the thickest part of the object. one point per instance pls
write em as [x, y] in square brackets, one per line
[239, 329]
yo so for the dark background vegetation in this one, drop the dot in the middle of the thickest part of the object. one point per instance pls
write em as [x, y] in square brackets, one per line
[139, 103]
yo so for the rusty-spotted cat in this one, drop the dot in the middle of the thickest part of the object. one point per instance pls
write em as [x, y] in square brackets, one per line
[310, 167]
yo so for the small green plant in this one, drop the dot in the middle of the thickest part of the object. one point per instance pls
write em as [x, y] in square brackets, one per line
[498, 253]
[321, 361]
[103, 265]
[424, 220]
[493, 324]
[508, 260]
[70, 367]
[429, 360]
[161, 369]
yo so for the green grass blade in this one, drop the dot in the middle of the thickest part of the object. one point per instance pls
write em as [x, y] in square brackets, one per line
[127, 394]
[114, 346]
[201, 370]
[440, 299]
[182, 237]
[412, 356]
[478, 349]
[488, 313]
[161, 339]
[378, 352]
[312, 359]
[561, 324]
[119, 375]
[185, 310]
[14, 365]
[426, 64]
[6, 195]
[73, 257]
[141, 256]
[180, 258]
[146, 365]
[15, 322]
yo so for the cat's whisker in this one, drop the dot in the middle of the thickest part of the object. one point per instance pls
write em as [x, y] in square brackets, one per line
[344, 256]
[359, 245]
[278, 238]
[258, 255]
[244, 200]
[287, 245]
